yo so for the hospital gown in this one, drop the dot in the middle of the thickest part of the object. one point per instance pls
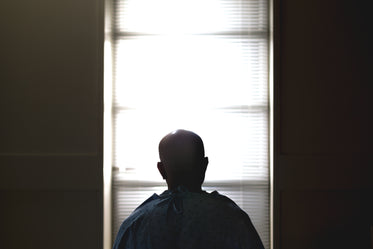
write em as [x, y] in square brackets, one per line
[186, 220]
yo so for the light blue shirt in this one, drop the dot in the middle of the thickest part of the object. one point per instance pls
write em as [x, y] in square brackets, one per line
[184, 220]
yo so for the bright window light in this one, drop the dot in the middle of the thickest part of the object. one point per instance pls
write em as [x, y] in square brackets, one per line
[200, 65]
[197, 65]
[149, 16]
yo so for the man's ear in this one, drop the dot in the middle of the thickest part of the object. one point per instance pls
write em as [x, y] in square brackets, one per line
[205, 162]
[162, 170]
[203, 167]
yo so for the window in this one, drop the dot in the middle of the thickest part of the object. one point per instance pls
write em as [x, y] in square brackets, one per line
[200, 65]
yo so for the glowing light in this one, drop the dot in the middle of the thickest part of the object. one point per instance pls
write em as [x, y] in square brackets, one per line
[173, 16]
[174, 72]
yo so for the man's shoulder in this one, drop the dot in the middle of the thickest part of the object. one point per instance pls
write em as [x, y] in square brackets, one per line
[148, 201]
[223, 200]
[141, 210]
[212, 205]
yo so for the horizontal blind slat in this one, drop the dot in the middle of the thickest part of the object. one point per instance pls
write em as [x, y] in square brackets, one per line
[234, 141]
[224, 70]
[172, 16]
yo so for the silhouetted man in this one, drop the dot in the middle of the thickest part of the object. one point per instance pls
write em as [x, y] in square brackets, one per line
[185, 216]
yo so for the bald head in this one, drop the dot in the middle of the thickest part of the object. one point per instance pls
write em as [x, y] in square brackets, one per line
[181, 146]
[183, 159]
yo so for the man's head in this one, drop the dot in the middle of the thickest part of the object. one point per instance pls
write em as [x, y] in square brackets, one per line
[183, 160]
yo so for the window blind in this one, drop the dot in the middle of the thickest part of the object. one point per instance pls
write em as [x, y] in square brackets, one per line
[200, 65]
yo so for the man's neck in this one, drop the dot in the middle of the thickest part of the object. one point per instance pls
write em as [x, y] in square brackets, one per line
[193, 189]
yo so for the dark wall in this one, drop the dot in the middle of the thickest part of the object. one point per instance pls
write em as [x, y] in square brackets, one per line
[323, 171]
[51, 124]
